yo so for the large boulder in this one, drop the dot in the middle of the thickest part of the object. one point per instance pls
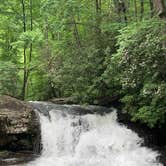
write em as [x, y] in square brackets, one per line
[19, 126]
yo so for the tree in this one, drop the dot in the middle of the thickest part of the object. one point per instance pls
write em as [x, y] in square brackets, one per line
[142, 8]
[25, 77]
[160, 8]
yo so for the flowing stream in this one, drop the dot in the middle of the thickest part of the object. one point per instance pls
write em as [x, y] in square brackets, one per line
[73, 139]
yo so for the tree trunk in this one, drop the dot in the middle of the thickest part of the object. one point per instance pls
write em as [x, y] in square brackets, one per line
[121, 9]
[160, 8]
[151, 8]
[142, 9]
[47, 57]
[76, 33]
[135, 9]
[24, 52]
[31, 46]
[124, 10]
[31, 28]
[97, 6]
[98, 22]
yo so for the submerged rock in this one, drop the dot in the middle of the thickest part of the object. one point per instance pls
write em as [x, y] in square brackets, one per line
[19, 126]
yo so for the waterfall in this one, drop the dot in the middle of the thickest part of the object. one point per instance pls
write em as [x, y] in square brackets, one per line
[90, 140]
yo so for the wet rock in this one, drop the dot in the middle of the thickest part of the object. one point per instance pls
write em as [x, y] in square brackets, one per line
[154, 138]
[65, 100]
[19, 126]
[10, 158]
[46, 107]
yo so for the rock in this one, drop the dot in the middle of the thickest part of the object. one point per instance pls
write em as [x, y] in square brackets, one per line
[12, 158]
[46, 107]
[65, 100]
[19, 126]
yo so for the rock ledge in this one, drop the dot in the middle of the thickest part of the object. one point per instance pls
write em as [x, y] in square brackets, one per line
[19, 126]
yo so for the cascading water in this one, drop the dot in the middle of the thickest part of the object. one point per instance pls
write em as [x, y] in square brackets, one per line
[90, 140]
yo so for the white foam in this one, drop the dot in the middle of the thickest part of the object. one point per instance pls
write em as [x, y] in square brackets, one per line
[90, 140]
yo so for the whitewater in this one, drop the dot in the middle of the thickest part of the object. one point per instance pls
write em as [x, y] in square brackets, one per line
[90, 140]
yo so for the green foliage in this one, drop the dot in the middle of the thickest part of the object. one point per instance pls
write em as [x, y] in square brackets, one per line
[90, 51]
[8, 78]
[141, 60]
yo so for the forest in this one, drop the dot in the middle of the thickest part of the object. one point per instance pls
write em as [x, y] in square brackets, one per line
[101, 52]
